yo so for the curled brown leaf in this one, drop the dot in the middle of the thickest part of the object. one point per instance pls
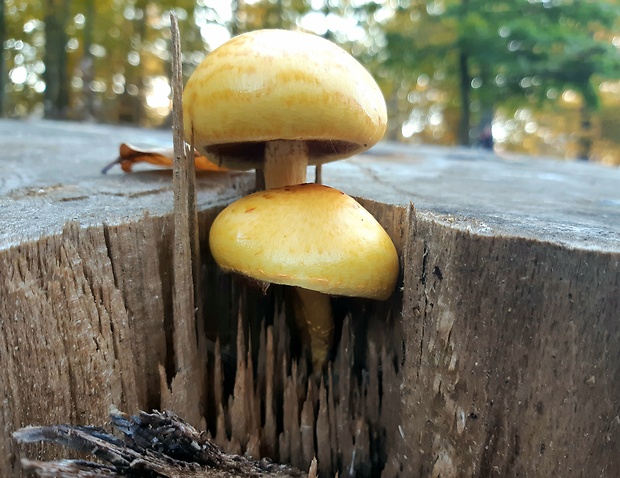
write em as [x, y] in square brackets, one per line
[129, 155]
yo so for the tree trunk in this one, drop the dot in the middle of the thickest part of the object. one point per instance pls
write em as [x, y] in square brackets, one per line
[237, 23]
[464, 76]
[87, 63]
[487, 110]
[132, 106]
[586, 133]
[3, 78]
[464, 89]
[56, 96]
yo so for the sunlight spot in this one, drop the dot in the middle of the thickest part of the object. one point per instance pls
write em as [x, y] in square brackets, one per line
[39, 86]
[158, 92]
[133, 58]
[97, 50]
[18, 75]
[423, 80]
[215, 35]
[570, 96]
[314, 22]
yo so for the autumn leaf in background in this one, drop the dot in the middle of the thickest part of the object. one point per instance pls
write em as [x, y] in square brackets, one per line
[163, 157]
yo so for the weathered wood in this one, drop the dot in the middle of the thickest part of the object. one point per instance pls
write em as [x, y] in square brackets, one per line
[503, 349]
[157, 444]
[187, 390]
[85, 308]
[516, 366]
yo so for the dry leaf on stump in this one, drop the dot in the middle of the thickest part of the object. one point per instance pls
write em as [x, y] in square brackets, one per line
[162, 157]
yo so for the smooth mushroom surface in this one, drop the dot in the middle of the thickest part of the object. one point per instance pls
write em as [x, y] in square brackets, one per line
[288, 98]
[312, 237]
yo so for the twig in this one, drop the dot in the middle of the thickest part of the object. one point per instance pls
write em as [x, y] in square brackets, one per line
[318, 174]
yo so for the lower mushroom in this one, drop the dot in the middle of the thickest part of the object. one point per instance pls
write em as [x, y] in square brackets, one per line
[313, 313]
[314, 238]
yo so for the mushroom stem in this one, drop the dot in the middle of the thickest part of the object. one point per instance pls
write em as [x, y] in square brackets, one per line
[313, 313]
[285, 163]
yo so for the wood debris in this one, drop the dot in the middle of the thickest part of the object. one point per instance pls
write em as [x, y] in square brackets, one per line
[151, 444]
[343, 422]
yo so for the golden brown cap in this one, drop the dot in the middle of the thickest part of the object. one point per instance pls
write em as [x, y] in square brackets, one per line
[276, 84]
[309, 236]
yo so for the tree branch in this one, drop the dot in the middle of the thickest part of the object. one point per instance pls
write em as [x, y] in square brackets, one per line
[156, 444]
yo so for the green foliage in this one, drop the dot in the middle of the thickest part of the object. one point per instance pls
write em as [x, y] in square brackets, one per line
[111, 53]
[441, 64]
[517, 49]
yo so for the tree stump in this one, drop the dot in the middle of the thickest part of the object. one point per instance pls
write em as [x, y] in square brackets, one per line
[498, 355]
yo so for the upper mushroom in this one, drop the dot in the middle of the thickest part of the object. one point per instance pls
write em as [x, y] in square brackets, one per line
[280, 100]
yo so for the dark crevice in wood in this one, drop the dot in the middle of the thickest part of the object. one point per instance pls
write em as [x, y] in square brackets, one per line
[342, 418]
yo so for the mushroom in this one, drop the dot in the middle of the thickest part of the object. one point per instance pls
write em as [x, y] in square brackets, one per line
[312, 237]
[280, 100]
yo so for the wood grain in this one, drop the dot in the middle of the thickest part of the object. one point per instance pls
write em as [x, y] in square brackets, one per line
[512, 367]
[185, 390]
[498, 354]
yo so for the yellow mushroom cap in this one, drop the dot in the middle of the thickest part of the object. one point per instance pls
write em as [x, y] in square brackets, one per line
[276, 84]
[309, 236]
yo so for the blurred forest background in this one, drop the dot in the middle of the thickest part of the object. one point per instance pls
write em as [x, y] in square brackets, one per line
[542, 75]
